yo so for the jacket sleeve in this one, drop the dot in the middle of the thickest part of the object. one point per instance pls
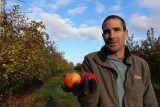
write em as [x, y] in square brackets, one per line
[149, 95]
[90, 100]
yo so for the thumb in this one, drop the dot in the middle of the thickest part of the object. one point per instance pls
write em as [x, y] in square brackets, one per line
[66, 89]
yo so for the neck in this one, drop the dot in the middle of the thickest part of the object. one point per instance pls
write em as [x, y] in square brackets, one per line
[118, 54]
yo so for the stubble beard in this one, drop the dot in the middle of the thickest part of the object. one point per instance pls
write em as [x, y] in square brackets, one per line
[114, 49]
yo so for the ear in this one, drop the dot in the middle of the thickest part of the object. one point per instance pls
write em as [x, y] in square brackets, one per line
[126, 34]
[103, 36]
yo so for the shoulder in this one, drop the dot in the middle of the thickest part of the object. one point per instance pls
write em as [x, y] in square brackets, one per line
[137, 58]
[134, 59]
[91, 55]
[88, 62]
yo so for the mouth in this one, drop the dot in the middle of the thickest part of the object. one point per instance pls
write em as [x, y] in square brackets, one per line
[112, 43]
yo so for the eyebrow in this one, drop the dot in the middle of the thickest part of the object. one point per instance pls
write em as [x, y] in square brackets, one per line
[115, 28]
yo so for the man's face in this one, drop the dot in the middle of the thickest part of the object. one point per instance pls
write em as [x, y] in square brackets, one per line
[114, 35]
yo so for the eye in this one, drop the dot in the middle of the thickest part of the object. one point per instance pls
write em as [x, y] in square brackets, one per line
[106, 31]
[117, 29]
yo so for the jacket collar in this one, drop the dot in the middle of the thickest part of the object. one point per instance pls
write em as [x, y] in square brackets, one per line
[101, 56]
[101, 59]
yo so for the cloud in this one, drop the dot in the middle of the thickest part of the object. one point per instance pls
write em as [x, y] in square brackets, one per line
[59, 28]
[35, 12]
[50, 4]
[77, 10]
[39, 3]
[116, 7]
[92, 21]
[118, 2]
[59, 3]
[152, 4]
[140, 23]
[100, 8]
[91, 33]
[83, 25]
[120, 14]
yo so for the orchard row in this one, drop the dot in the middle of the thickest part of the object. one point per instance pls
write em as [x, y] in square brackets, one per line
[27, 56]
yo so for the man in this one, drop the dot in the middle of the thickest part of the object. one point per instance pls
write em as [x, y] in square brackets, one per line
[123, 78]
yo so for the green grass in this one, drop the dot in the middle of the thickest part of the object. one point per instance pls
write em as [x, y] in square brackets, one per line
[52, 95]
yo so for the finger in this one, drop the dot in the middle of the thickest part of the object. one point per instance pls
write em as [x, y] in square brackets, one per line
[66, 89]
[76, 89]
[93, 85]
[86, 86]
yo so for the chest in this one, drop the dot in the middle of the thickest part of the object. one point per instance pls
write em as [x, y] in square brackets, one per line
[134, 84]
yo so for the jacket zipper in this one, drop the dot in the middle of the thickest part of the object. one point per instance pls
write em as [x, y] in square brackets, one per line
[115, 75]
[128, 67]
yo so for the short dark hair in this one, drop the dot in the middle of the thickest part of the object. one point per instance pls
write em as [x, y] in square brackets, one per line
[114, 17]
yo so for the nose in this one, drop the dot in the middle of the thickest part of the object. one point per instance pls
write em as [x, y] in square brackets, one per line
[111, 34]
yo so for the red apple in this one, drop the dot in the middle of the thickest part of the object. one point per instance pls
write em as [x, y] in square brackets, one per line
[89, 75]
[72, 78]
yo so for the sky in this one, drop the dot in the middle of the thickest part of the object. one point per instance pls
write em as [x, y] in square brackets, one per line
[75, 25]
